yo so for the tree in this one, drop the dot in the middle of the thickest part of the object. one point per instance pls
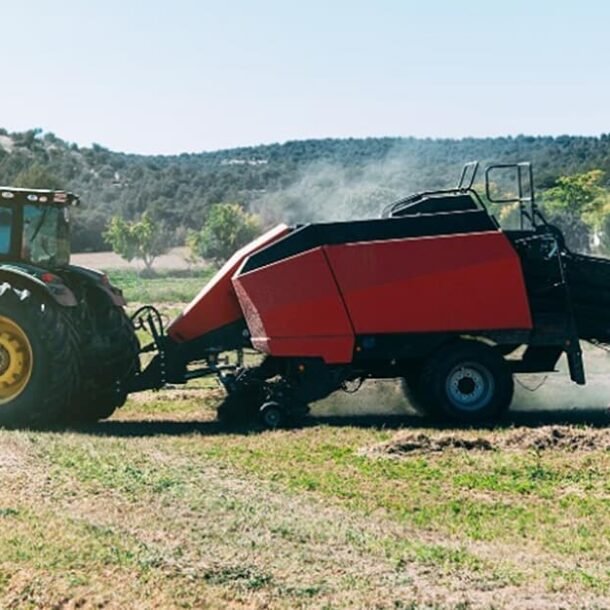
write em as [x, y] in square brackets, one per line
[37, 177]
[578, 205]
[141, 239]
[228, 228]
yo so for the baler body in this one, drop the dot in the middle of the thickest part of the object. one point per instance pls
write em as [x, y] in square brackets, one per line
[434, 292]
[326, 290]
[216, 308]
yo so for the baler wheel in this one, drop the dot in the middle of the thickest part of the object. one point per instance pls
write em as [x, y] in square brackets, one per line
[272, 415]
[467, 382]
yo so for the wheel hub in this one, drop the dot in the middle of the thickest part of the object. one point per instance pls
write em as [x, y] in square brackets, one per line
[16, 360]
[5, 360]
[467, 385]
[470, 386]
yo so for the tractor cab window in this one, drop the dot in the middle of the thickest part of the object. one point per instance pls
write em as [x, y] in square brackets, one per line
[6, 224]
[46, 236]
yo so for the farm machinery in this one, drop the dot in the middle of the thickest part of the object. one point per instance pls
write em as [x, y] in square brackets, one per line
[434, 293]
[66, 343]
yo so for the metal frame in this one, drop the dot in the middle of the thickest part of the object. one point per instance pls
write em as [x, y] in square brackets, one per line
[464, 186]
[473, 167]
[528, 209]
[526, 196]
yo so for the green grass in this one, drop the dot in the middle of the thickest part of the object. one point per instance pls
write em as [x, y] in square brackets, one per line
[163, 287]
[288, 519]
[557, 501]
[304, 517]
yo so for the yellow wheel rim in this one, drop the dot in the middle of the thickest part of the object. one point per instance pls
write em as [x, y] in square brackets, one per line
[16, 360]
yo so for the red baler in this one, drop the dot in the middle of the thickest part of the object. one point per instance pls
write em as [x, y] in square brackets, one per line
[434, 292]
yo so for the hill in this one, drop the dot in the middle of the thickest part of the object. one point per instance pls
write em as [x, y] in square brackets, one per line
[294, 181]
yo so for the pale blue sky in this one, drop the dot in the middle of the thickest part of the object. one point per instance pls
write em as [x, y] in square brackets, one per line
[187, 75]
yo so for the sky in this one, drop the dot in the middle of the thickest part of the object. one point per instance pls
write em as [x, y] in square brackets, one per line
[166, 77]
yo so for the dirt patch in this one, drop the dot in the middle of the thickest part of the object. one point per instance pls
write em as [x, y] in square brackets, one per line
[425, 443]
[567, 438]
[174, 259]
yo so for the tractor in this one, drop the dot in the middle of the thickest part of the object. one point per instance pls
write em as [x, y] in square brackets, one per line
[67, 348]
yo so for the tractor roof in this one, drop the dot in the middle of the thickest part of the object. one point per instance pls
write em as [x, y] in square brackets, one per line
[37, 196]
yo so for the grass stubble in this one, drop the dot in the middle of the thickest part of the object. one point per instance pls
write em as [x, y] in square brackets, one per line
[129, 514]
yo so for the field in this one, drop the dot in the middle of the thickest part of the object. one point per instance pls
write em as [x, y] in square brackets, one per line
[366, 506]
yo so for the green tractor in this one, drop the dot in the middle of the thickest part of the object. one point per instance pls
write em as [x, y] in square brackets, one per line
[66, 344]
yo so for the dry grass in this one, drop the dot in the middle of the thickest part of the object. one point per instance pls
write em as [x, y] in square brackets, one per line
[159, 508]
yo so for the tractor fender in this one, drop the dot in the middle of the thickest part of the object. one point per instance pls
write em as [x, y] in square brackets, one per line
[100, 281]
[54, 287]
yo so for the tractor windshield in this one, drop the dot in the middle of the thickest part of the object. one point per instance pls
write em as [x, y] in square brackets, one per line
[46, 235]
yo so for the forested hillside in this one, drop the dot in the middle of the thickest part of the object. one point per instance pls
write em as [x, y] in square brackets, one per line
[295, 181]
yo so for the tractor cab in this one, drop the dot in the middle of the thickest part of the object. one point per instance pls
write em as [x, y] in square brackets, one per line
[35, 226]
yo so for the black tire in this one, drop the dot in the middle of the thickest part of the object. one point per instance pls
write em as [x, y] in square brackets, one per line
[107, 367]
[467, 382]
[272, 416]
[54, 365]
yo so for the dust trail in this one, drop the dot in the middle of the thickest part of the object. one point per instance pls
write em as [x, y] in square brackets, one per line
[326, 191]
[382, 397]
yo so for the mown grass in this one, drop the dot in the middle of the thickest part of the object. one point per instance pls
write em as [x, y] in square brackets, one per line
[161, 508]
[179, 483]
[162, 287]
[557, 501]
[505, 517]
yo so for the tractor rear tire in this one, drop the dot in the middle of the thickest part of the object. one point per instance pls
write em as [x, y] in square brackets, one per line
[102, 389]
[39, 367]
[467, 382]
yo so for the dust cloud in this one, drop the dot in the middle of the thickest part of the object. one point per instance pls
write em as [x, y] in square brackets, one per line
[325, 192]
[533, 393]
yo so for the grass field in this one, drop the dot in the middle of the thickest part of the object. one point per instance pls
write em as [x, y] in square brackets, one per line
[366, 506]
[161, 508]
[166, 286]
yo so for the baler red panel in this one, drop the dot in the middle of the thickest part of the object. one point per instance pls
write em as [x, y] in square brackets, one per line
[216, 305]
[427, 284]
[293, 308]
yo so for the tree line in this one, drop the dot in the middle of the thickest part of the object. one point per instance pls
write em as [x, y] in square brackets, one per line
[298, 181]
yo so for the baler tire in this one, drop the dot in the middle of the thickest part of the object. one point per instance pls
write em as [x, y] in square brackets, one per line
[272, 416]
[52, 351]
[467, 382]
[99, 391]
